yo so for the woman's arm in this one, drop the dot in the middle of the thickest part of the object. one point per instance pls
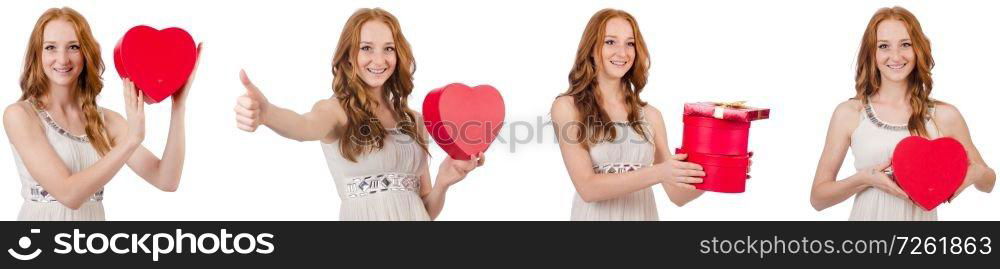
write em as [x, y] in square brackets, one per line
[48, 169]
[591, 186]
[680, 193]
[253, 109]
[953, 125]
[164, 174]
[449, 172]
[826, 190]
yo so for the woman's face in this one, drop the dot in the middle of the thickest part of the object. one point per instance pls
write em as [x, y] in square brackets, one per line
[376, 53]
[617, 49]
[894, 51]
[62, 58]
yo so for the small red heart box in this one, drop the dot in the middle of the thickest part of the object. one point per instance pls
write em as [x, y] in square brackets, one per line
[463, 120]
[159, 62]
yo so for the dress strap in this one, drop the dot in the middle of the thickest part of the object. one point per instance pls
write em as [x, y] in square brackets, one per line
[47, 119]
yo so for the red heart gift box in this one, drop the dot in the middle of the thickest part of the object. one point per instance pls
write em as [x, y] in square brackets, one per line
[716, 136]
[159, 62]
[463, 120]
[929, 171]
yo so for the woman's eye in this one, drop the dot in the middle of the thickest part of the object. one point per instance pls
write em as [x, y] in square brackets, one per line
[907, 45]
[390, 49]
[74, 47]
[631, 44]
[883, 46]
[609, 42]
[49, 47]
[366, 48]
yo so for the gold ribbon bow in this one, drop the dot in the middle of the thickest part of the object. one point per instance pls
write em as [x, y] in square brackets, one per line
[720, 107]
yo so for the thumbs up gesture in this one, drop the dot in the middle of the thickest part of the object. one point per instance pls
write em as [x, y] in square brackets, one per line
[250, 107]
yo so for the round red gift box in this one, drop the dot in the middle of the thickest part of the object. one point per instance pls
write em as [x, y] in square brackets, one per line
[715, 136]
[723, 173]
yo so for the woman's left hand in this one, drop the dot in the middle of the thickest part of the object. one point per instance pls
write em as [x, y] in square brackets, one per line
[452, 171]
[180, 97]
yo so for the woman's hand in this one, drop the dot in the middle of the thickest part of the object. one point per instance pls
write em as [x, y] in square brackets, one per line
[135, 113]
[876, 177]
[250, 107]
[452, 171]
[180, 97]
[677, 172]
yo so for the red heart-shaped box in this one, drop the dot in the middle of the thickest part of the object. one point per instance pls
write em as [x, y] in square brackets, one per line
[929, 171]
[723, 173]
[159, 62]
[463, 120]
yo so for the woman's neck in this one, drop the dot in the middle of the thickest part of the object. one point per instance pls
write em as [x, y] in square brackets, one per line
[610, 90]
[62, 98]
[892, 92]
[377, 94]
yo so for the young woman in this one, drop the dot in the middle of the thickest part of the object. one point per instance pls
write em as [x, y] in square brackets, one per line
[65, 146]
[375, 146]
[614, 145]
[892, 101]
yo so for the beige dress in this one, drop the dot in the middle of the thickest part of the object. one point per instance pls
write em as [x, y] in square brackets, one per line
[77, 154]
[628, 152]
[381, 185]
[872, 143]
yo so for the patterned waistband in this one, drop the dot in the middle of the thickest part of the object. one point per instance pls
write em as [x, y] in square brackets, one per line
[367, 185]
[38, 194]
[614, 168]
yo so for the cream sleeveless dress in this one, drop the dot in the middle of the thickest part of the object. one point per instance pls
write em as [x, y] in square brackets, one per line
[626, 153]
[872, 143]
[381, 185]
[77, 154]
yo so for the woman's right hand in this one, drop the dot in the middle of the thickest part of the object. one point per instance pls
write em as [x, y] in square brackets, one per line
[680, 173]
[135, 112]
[250, 107]
[876, 177]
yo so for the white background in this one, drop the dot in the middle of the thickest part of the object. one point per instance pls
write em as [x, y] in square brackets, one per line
[792, 56]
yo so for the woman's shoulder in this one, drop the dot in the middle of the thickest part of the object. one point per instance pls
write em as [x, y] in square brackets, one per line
[650, 110]
[846, 117]
[20, 110]
[946, 114]
[851, 108]
[563, 107]
[331, 106]
[20, 114]
[110, 117]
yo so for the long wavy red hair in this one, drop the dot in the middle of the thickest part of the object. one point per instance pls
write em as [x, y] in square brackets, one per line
[35, 85]
[364, 133]
[868, 78]
[597, 125]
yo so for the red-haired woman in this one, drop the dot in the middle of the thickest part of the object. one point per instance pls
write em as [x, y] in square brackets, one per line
[381, 172]
[65, 146]
[892, 101]
[614, 145]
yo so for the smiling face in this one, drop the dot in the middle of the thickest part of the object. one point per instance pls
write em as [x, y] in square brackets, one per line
[617, 51]
[894, 52]
[376, 53]
[62, 59]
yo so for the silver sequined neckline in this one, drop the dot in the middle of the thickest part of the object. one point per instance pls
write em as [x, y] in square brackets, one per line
[52, 123]
[870, 112]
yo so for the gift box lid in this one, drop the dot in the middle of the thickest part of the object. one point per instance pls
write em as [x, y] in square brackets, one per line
[733, 111]
[701, 121]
